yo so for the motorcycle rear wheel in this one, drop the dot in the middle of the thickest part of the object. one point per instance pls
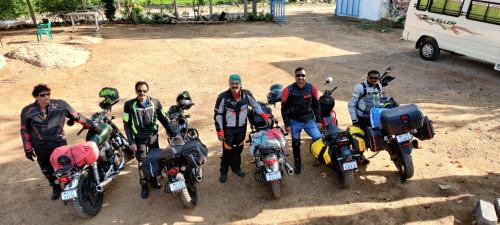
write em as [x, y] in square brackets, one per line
[89, 201]
[276, 187]
[189, 197]
[346, 178]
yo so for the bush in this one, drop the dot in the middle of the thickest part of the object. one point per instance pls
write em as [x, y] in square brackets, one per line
[132, 10]
[56, 7]
[12, 9]
[109, 9]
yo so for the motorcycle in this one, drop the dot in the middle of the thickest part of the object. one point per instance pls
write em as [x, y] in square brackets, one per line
[394, 127]
[182, 169]
[338, 154]
[180, 163]
[267, 144]
[84, 170]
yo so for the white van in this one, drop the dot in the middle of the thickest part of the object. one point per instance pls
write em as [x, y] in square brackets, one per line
[466, 27]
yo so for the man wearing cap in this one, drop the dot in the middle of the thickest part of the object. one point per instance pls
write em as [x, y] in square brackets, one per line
[231, 109]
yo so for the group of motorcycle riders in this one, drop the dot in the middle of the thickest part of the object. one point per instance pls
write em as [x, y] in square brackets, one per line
[42, 122]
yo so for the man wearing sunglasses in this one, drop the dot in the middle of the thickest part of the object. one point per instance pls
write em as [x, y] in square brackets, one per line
[300, 111]
[140, 123]
[42, 130]
[365, 96]
[231, 110]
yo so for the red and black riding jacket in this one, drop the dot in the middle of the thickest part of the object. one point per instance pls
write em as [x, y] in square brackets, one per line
[301, 104]
[38, 129]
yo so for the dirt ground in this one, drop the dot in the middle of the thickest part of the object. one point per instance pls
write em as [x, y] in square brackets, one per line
[459, 94]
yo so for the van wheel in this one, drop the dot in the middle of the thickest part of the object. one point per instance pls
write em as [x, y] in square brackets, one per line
[429, 50]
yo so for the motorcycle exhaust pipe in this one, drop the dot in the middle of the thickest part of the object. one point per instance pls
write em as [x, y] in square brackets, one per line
[288, 168]
[199, 176]
[102, 185]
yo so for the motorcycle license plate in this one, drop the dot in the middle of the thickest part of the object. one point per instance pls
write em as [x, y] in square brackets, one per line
[275, 175]
[350, 165]
[403, 137]
[176, 186]
[69, 194]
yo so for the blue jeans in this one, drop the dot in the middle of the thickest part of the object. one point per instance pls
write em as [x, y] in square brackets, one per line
[310, 127]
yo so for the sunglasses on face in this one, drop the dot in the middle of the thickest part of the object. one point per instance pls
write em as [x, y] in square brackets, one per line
[235, 84]
[300, 75]
[44, 95]
[141, 91]
[373, 78]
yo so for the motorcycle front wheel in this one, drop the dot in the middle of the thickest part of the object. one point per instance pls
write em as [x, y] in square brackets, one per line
[89, 201]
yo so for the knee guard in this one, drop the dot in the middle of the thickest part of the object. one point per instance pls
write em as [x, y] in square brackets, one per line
[296, 149]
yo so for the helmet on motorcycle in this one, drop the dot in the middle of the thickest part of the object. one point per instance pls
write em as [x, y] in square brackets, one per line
[110, 96]
[184, 100]
[274, 94]
[326, 103]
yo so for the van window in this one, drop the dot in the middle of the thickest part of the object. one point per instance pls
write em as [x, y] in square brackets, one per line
[422, 4]
[484, 11]
[447, 7]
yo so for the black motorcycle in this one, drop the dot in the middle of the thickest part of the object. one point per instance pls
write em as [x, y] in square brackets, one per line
[180, 163]
[267, 145]
[182, 169]
[83, 185]
[394, 127]
[343, 158]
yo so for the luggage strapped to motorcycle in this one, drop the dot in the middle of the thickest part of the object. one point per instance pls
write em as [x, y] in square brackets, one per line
[321, 153]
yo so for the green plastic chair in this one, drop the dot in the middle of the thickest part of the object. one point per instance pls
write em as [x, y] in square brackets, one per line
[44, 28]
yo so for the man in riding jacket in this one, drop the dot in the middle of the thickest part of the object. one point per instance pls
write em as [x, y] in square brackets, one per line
[231, 109]
[42, 130]
[139, 119]
[300, 110]
[365, 96]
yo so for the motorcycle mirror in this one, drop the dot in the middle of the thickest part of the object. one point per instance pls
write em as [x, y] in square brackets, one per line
[389, 69]
[113, 117]
[70, 122]
[328, 80]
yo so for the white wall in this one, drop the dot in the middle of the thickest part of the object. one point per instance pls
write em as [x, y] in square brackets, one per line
[372, 9]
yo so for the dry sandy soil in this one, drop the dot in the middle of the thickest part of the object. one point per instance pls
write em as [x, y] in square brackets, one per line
[459, 94]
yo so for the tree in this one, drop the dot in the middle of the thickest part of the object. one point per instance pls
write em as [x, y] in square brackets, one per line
[11, 9]
[32, 12]
[109, 9]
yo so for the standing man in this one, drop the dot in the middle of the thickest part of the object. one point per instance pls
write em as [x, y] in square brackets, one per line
[300, 111]
[231, 109]
[42, 130]
[139, 119]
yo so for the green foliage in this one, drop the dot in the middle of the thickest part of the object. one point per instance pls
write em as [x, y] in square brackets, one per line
[12, 9]
[132, 10]
[109, 9]
[56, 7]
[261, 17]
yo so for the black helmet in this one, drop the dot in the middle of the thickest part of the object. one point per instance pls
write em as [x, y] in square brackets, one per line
[274, 94]
[327, 103]
[110, 96]
[184, 100]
